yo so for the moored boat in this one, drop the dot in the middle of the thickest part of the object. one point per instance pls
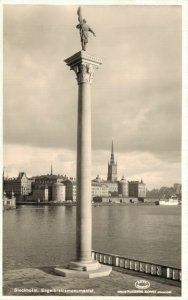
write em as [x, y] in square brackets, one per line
[173, 200]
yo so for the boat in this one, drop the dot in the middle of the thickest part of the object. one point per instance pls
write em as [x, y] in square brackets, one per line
[173, 200]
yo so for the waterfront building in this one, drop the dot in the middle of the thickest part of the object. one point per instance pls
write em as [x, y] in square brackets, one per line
[99, 189]
[41, 193]
[137, 189]
[112, 166]
[21, 186]
[70, 189]
[114, 199]
[46, 180]
[58, 192]
[112, 187]
[141, 190]
[123, 187]
[9, 203]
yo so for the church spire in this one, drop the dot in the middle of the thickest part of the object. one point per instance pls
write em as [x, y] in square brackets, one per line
[112, 148]
[51, 170]
[112, 166]
[112, 153]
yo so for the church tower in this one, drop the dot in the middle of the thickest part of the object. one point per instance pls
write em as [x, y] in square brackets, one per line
[112, 166]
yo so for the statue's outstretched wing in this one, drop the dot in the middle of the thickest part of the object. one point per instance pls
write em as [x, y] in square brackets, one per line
[79, 13]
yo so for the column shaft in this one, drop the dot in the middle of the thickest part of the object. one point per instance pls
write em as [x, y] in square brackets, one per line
[84, 213]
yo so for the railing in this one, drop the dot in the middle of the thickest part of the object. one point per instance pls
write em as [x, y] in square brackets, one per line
[137, 265]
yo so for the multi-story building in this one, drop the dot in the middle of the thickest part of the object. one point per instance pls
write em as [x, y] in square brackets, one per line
[40, 193]
[21, 186]
[112, 187]
[123, 187]
[137, 189]
[70, 189]
[99, 189]
[58, 192]
[48, 180]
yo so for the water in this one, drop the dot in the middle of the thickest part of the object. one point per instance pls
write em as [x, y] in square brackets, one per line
[41, 236]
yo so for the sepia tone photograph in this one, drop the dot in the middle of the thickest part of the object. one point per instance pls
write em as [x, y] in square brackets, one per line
[92, 116]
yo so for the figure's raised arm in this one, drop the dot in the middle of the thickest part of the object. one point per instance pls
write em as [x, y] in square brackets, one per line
[79, 13]
[92, 31]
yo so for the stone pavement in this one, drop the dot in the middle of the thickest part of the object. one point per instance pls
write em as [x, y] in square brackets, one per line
[43, 281]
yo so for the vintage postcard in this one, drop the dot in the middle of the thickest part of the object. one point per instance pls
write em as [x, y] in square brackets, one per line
[94, 154]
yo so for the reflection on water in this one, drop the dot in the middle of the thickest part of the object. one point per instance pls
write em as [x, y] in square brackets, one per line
[46, 235]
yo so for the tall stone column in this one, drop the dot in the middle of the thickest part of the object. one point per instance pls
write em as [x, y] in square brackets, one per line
[84, 66]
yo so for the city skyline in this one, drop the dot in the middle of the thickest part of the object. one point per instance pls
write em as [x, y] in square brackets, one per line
[73, 178]
[136, 95]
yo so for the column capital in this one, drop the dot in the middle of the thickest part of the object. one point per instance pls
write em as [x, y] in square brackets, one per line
[84, 65]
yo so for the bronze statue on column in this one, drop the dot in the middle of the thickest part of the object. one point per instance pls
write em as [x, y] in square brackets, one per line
[84, 29]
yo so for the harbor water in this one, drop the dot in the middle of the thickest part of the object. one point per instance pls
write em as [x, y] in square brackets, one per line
[44, 236]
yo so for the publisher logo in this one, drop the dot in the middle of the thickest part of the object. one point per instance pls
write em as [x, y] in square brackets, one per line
[142, 284]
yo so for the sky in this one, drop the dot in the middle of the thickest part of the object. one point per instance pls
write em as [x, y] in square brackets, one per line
[136, 92]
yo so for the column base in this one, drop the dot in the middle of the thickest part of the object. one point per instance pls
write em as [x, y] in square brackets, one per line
[100, 272]
[84, 265]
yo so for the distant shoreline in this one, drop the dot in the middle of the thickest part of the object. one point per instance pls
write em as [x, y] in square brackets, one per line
[93, 204]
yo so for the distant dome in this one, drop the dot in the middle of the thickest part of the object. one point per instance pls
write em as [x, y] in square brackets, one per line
[97, 179]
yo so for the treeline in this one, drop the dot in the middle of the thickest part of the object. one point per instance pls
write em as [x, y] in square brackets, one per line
[162, 193]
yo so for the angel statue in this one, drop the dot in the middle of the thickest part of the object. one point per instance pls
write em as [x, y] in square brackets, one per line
[84, 29]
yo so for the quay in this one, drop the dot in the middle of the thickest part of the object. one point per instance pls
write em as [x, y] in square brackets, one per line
[52, 203]
[43, 281]
[124, 279]
[47, 203]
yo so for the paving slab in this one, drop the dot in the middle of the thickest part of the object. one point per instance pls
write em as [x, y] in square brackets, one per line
[44, 281]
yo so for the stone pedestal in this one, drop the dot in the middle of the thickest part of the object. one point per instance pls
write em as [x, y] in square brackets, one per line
[84, 66]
